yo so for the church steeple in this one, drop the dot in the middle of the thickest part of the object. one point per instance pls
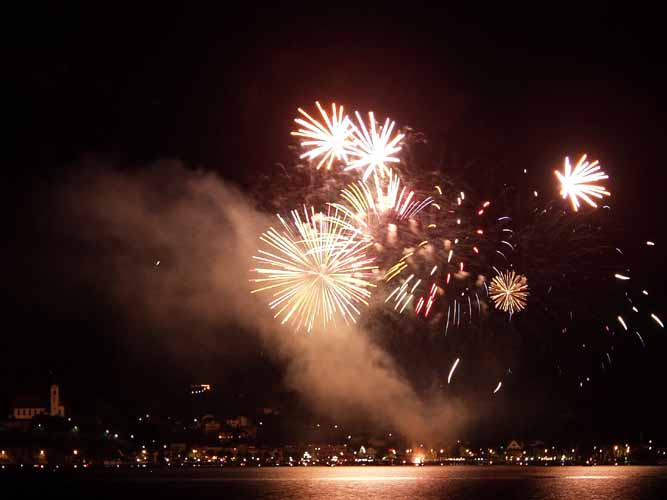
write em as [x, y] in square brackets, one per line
[56, 409]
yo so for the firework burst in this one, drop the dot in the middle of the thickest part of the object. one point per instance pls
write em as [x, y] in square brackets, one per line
[509, 291]
[363, 201]
[328, 140]
[316, 267]
[579, 183]
[374, 147]
[446, 252]
[432, 254]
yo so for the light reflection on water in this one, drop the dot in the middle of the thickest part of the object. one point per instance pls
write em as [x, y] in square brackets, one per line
[368, 478]
[450, 483]
[377, 483]
[589, 477]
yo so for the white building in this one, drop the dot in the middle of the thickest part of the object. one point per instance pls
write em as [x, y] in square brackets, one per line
[28, 408]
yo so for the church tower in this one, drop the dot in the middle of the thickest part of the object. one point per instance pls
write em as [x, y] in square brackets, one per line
[56, 409]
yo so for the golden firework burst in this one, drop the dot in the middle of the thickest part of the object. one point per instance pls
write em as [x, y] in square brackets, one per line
[317, 267]
[509, 291]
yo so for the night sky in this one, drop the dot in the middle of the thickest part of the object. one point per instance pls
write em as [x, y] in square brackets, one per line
[218, 91]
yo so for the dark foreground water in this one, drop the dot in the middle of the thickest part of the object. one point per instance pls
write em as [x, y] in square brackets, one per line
[423, 483]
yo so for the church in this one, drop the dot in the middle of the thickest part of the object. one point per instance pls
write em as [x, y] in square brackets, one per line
[26, 408]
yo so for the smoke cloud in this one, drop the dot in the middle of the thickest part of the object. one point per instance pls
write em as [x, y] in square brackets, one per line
[172, 249]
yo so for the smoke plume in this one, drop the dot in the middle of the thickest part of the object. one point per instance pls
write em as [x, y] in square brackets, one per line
[172, 248]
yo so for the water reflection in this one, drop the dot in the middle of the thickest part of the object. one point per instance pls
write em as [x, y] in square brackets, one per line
[380, 483]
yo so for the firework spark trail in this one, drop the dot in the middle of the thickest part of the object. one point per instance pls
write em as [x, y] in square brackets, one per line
[316, 266]
[657, 320]
[420, 304]
[500, 384]
[578, 183]
[447, 324]
[330, 140]
[641, 339]
[455, 312]
[509, 291]
[374, 148]
[407, 301]
[401, 294]
[451, 371]
[622, 322]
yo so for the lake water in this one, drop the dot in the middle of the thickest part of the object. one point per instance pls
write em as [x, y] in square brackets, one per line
[377, 483]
